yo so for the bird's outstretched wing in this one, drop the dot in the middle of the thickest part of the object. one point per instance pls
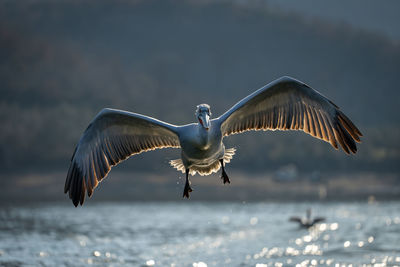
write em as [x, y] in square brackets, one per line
[318, 219]
[288, 104]
[110, 138]
[295, 219]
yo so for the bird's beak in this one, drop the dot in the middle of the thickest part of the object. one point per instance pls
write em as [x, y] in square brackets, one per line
[205, 120]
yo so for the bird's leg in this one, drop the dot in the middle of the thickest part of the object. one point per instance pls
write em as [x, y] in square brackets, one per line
[187, 185]
[224, 175]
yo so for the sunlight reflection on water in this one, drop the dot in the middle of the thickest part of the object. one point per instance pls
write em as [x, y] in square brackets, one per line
[199, 234]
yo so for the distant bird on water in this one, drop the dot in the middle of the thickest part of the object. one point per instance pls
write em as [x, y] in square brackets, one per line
[307, 222]
[284, 104]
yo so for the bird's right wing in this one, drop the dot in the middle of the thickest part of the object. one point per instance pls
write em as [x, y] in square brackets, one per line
[319, 219]
[288, 104]
[112, 137]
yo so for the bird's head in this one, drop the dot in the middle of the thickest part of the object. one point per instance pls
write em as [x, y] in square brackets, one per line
[203, 114]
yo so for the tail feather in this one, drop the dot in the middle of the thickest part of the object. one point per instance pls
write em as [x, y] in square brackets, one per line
[229, 153]
[178, 165]
[214, 167]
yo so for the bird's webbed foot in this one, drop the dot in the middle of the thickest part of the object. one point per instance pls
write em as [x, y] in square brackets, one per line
[187, 189]
[224, 176]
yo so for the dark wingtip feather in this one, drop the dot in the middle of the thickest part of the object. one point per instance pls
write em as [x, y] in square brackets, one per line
[75, 201]
[349, 126]
[77, 194]
[89, 191]
[340, 139]
[82, 198]
[346, 141]
[349, 141]
[67, 181]
[75, 185]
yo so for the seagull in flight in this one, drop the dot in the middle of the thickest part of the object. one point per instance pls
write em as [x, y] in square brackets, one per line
[284, 104]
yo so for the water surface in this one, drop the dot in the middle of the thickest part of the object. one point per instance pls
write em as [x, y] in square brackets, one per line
[199, 234]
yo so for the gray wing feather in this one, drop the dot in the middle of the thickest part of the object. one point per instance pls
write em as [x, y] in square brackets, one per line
[112, 137]
[288, 104]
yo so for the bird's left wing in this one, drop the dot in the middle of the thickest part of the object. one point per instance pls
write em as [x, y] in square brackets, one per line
[288, 104]
[295, 219]
[110, 138]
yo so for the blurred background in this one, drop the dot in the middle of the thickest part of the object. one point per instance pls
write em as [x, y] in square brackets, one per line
[62, 61]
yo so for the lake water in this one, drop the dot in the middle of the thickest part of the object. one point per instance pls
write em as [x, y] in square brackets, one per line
[190, 233]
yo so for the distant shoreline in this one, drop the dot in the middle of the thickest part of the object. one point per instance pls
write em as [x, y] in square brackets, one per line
[129, 186]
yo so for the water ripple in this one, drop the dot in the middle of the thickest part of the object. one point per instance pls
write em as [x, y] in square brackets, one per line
[199, 235]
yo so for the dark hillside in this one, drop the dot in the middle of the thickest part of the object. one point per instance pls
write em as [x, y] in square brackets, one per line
[61, 62]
